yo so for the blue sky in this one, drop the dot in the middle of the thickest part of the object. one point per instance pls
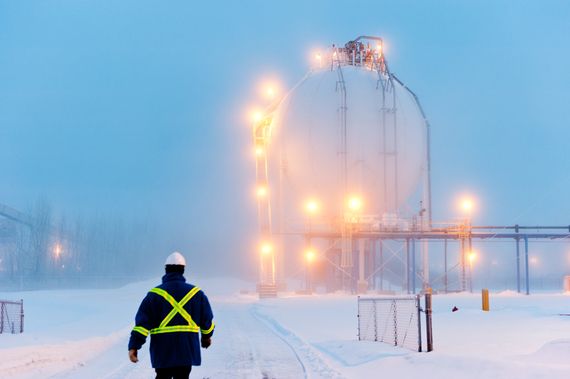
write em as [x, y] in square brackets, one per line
[137, 107]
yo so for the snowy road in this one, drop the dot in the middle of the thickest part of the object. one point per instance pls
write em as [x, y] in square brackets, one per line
[247, 344]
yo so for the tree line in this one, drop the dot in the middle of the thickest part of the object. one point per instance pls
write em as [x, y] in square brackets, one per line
[50, 248]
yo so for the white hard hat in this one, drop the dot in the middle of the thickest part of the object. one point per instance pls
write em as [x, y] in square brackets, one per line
[175, 259]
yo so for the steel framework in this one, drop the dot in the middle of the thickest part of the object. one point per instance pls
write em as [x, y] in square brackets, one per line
[464, 233]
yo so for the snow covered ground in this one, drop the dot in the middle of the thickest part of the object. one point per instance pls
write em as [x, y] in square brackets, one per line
[83, 334]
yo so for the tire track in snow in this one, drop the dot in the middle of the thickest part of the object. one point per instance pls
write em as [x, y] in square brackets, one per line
[307, 357]
[245, 347]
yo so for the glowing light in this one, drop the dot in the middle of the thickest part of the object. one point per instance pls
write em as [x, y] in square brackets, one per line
[467, 205]
[270, 92]
[312, 206]
[379, 48]
[472, 257]
[533, 260]
[259, 151]
[310, 255]
[266, 249]
[256, 116]
[261, 191]
[318, 56]
[57, 250]
[354, 203]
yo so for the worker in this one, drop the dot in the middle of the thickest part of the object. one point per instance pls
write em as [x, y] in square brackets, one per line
[174, 314]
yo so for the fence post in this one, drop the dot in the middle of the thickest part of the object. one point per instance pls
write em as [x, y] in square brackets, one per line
[2, 317]
[21, 315]
[429, 335]
[395, 323]
[418, 306]
[375, 321]
[358, 315]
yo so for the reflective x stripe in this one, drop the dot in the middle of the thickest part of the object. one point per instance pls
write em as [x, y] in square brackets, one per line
[206, 331]
[141, 330]
[177, 307]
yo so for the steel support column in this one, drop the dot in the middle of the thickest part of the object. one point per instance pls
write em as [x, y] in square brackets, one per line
[445, 278]
[408, 265]
[526, 264]
[413, 266]
[518, 265]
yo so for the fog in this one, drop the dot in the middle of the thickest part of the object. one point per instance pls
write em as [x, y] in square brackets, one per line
[134, 114]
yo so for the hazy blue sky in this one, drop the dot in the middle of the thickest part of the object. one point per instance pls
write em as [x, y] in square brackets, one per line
[138, 106]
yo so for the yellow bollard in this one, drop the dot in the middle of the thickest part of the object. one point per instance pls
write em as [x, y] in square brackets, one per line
[485, 298]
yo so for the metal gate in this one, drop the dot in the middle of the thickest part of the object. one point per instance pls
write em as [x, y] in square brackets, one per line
[394, 320]
[11, 316]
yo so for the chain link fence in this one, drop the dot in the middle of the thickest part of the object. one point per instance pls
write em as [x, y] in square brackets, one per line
[393, 320]
[11, 316]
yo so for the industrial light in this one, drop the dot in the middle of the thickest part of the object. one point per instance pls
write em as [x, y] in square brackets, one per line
[312, 206]
[261, 191]
[259, 151]
[270, 92]
[266, 248]
[256, 116]
[57, 250]
[472, 257]
[310, 255]
[467, 204]
[354, 203]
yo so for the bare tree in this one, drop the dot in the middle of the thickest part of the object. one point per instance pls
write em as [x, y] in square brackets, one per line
[40, 237]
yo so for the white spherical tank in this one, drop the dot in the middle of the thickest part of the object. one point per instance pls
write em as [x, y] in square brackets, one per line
[341, 132]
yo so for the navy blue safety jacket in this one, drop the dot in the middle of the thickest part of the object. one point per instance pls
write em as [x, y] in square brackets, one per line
[173, 314]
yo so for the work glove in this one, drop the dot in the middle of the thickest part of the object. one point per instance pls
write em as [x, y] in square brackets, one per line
[206, 342]
[133, 355]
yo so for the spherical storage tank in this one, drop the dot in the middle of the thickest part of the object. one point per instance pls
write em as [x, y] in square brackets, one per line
[346, 131]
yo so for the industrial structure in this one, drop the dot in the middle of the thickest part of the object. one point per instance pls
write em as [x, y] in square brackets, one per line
[343, 175]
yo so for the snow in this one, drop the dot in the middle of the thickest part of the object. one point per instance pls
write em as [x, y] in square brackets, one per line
[84, 333]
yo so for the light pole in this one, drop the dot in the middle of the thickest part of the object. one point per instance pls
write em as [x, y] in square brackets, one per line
[309, 259]
[472, 258]
[355, 207]
[267, 268]
[466, 206]
[312, 207]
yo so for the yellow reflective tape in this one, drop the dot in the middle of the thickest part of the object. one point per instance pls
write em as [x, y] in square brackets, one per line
[208, 330]
[177, 308]
[181, 310]
[175, 328]
[164, 294]
[189, 295]
[175, 305]
[141, 330]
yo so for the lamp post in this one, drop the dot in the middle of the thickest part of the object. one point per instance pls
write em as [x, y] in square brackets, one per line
[355, 207]
[309, 259]
[267, 268]
[472, 257]
[466, 206]
[311, 209]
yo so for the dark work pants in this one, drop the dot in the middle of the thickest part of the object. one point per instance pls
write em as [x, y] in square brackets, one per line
[181, 372]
